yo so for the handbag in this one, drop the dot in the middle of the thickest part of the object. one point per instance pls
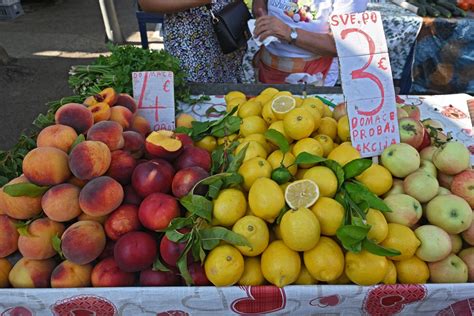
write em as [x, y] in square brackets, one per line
[230, 26]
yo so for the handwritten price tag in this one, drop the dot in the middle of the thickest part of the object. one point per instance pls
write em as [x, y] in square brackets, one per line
[367, 81]
[154, 93]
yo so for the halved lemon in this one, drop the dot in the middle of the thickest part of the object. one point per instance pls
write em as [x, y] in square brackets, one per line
[301, 193]
[282, 105]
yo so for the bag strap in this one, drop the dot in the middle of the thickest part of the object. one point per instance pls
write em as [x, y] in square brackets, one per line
[214, 19]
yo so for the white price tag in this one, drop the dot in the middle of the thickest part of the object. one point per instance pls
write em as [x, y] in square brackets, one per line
[367, 81]
[154, 93]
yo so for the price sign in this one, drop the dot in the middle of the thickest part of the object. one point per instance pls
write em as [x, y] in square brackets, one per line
[154, 93]
[367, 82]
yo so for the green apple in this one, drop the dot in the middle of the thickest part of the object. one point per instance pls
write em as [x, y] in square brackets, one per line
[452, 157]
[449, 270]
[400, 159]
[467, 255]
[428, 167]
[435, 243]
[456, 243]
[421, 185]
[427, 152]
[450, 212]
[406, 210]
[397, 188]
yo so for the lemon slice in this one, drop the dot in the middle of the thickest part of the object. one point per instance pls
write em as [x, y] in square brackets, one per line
[301, 193]
[282, 105]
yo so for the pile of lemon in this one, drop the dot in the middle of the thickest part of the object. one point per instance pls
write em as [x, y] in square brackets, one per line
[302, 248]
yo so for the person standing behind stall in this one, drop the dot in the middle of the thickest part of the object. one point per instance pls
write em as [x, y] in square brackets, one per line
[305, 42]
[189, 36]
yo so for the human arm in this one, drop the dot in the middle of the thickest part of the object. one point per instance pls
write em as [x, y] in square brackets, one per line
[170, 6]
[259, 8]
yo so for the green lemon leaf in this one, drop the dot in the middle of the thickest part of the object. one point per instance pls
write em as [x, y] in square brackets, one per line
[221, 233]
[326, 101]
[337, 169]
[277, 138]
[179, 222]
[352, 234]
[372, 247]
[210, 180]
[217, 158]
[214, 189]
[233, 180]
[56, 243]
[282, 212]
[176, 236]
[79, 139]
[356, 167]
[24, 189]
[159, 266]
[197, 205]
[307, 158]
[183, 130]
[236, 161]
[182, 264]
[227, 126]
[355, 248]
[359, 193]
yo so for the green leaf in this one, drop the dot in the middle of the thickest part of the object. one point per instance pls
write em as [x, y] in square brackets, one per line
[232, 180]
[307, 158]
[278, 139]
[351, 234]
[337, 169]
[25, 189]
[282, 212]
[209, 244]
[198, 205]
[372, 247]
[184, 130]
[159, 266]
[228, 126]
[211, 179]
[356, 167]
[326, 101]
[221, 233]
[56, 243]
[23, 230]
[238, 159]
[214, 189]
[217, 158]
[355, 248]
[179, 222]
[360, 193]
[182, 264]
[79, 139]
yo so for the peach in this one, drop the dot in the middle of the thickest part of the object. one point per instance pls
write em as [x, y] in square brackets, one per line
[100, 196]
[121, 115]
[46, 166]
[61, 202]
[153, 176]
[198, 275]
[108, 95]
[5, 268]
[83, 242]
[170, 251]
[8, 236]
[59, 136]
[131, 196]
[150, 277]
[121, 221]
[91, 100]
[99, 219]
[37, 244]
[185, 179]
[107, 274]
[89, 159]
[163, 144]
[108, 132]
[29, 273]
[71, 275]
[157, 210]
[463, 186]
[135, 251]
[77, 182]
[122, 166]
[184, 120]
[193, 156]
[76, 116]
[140, 125]
[108, 250]
[100, 111]
[127, 101]
[20, 207]
[134, 143]
[185, 139]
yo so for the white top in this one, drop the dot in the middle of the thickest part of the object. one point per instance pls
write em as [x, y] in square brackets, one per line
[308, 15]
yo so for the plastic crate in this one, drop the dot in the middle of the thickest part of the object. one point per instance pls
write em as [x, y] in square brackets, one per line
[9, 12]
[8, 2]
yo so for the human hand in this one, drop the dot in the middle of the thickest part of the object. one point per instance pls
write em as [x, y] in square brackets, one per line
[267, 25]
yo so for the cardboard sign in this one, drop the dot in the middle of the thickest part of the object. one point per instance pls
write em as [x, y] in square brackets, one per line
[367, 82]
[154, 93]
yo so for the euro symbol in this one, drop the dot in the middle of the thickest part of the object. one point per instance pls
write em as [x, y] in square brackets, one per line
[166, 86]
[381, 63]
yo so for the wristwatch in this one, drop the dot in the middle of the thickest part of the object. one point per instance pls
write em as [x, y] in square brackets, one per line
[293, 35]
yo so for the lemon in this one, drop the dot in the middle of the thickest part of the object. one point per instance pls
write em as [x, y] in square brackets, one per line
[263, 98]
[326, 143]
[250, 108]
[308, 145]
[252, 272]
[300, 174]
[278, 126]
[314, 103]
[327, 111]
[324, 178]
[234, 95]
[266, 199]
[343, 279]
[305, 278]
[379, 230]
[282, 105]
[254, 149]
[343, 131]
[344, 153]
[403, 239]
[365, 268]
[377, 179]
[269, 91]
[229, 206]
[325, 262]
[255, 230]
[412, 271]
[224, 265]
[315, 114]
[298, 101]
[280, 93]
[259, 138]
[208, 143]
[391, 276]
[328, 126]
[253, 125]
[236, 102]
[280, 265]
[228, 139]
[277, 158]
[253, 169]
[281, 175]
[330, 214]
[267, 113]
[301, 193]
[298, 123]
[300, 229]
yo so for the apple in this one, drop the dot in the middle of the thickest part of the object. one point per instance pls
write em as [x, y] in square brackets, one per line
[426, 141]
[467, 235]
[411, 131]
[467, 255]
[443, 191]
[194, 157]
[445, 180]
[449, 270]
[435, 243]
[427, 152]
[185, 139]
[150, 277]
[463, 186]
[421, 185]
[452, 158]
[135, 251]
[406, 210]
[456, 243]
[397, 188]
[428, 167]
[163, 144]
[185, 179]
[449, 212]
[401, 113]
[157, 211]
[152, 176]
[400, 159]
[339, 111]
[413, 111]
[198, 275]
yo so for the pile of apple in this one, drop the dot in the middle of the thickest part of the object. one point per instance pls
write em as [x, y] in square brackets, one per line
[92, 197]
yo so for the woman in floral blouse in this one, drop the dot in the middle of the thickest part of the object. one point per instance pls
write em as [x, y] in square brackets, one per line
[189, 36]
